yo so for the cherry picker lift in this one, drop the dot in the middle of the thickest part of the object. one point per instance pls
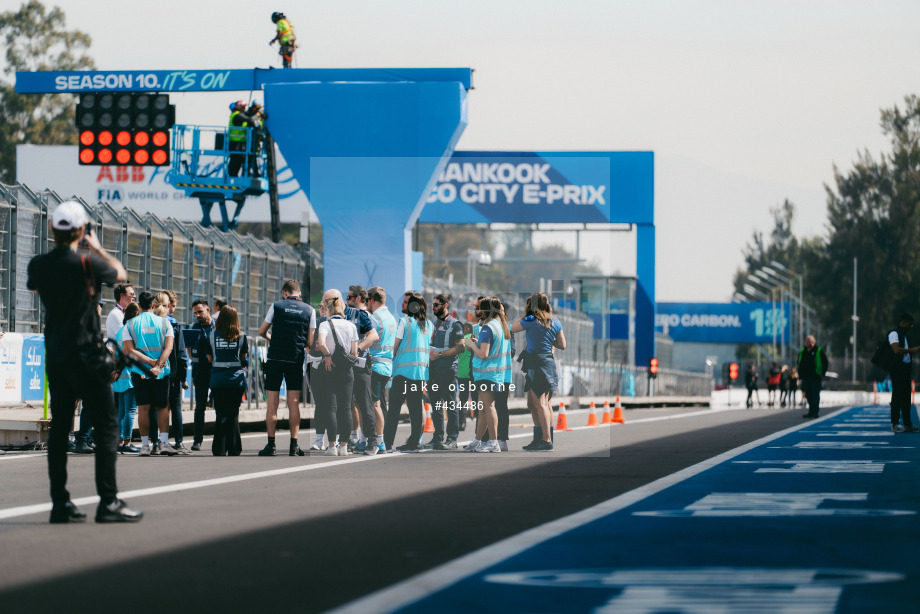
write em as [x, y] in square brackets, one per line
[201, 157]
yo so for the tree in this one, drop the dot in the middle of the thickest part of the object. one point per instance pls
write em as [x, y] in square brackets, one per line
[874, 215]
[36, 40]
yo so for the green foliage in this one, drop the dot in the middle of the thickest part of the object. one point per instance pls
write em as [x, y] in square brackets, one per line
[873, 214]
[35, 39]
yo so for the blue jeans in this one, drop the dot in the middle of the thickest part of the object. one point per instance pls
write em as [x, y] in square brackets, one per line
[127, 409]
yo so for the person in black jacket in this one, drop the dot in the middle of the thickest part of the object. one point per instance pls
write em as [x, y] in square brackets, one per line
[812, 367]
[900, 376]
[750, 382]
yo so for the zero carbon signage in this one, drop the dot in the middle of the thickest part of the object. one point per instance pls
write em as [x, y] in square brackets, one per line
[548, 187]
[724, 322]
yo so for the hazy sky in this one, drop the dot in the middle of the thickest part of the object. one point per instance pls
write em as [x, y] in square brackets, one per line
[743, 103]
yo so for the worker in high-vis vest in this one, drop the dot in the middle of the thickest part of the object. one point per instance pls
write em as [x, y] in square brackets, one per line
[149, 341]
[285, 37]
[490, 361]
[238, 134]
[382, 353]
[410, 371]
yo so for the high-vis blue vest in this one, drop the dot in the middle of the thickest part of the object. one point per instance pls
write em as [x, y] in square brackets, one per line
[411, 361]
[123, 383]
[382, 350]
[149, 335]
[492, 368]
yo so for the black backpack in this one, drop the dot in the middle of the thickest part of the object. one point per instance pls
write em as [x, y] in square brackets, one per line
[883, 356]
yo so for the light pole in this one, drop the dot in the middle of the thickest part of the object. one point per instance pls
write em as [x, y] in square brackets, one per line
[855, 319]
[475, 258]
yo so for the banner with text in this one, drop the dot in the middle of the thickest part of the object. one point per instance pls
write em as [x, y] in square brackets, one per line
[543, 187]
[724, 322]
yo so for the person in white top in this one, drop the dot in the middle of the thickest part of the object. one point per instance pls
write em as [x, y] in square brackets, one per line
[900, 375]
[124, 296]
[335, 396]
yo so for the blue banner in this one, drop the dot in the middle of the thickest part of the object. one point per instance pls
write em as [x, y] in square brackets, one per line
[724, 322]
[543, 187]
[80, 81]
[33, 368]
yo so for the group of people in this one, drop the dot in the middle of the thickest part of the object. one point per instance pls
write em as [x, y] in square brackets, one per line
[362, 363]
[807, 375]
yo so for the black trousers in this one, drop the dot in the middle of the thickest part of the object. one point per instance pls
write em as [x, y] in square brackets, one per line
[365, 403]
[811, 389]
[334, 396]
[410, 391]
[67, 383]
[900, 394]
[201, 405]
[236, 159]
[227, 440]
[501, 410]
[444, 400]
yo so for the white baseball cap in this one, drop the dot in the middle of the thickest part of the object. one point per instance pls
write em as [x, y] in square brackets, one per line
[69, 215]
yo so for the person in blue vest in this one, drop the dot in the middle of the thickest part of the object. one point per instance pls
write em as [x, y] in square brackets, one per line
[334, 338]
[124, 391]
[442, 374]
[201, 369]
[542, 333]
[382, 355]
[363, 415]
[411, 351]
[149, 341]
[490, 353]
[227, 350]
[292, 323]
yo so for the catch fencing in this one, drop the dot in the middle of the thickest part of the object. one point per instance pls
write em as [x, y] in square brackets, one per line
[193, 261]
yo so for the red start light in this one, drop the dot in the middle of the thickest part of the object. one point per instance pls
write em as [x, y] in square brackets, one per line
[141, 139]
[87, 137]
[141, 157]
[159, 157]
[105, 156]
[653, 365]
[123, 138]
[160, 139]
[86, 156]
[123, 156]
[105, 138]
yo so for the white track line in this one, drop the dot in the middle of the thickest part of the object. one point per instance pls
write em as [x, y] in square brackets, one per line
[427, 583]
[577, 428]
[15, 512]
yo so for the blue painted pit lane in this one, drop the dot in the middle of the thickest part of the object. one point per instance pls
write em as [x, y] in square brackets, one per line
[819, 518]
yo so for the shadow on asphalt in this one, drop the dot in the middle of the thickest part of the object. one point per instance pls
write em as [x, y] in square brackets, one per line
[319, 563]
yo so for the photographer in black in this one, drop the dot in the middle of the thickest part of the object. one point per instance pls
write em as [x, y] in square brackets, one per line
[68, 284]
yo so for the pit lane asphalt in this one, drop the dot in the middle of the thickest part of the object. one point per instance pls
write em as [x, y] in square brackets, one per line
[329, 530]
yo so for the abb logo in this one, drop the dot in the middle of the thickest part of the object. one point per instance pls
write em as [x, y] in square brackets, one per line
[135, 174]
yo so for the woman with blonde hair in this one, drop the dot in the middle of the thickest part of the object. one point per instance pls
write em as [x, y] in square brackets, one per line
[336, 390]
[491, 359]
[228, 352]
[543, 332]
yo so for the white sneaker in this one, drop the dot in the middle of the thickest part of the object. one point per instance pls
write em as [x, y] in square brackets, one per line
[167, 450]
[145, 450]
[342, 449]
[317, 446]
[472, 446]
[503, 445]
[489, 446]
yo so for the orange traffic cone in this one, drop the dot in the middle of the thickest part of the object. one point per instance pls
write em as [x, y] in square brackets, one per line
[618, 413]
[592, 416]
[605, 418]
[429, 425]
[562, 423]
